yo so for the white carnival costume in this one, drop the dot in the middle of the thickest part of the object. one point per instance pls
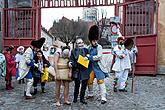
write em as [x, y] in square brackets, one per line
[121, 66]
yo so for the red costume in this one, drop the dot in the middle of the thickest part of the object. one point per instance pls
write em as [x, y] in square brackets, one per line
[10, 68]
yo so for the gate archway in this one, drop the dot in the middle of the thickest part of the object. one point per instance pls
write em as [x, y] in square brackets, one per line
[139, 18]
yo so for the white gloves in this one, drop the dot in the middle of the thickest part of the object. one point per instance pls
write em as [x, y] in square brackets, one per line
[70, 64]
[36, 65]
[85, 58]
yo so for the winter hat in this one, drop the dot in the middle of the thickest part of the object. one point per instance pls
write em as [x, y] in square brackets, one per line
[93, 33]
[38, 43]
[20, 49]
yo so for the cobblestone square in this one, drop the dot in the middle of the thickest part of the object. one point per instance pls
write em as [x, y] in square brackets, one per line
[149, 94]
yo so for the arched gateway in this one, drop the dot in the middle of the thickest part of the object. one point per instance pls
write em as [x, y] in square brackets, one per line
[139, 18]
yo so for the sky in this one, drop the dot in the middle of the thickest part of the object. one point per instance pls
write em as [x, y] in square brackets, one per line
[51, 14]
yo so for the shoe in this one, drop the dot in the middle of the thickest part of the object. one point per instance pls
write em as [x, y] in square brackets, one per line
[83, 102]
[115, 89]
[58, 104]
[24, 93]
[89, 97]
[23, 81]
[103, 101]
[11, 86]
[19, 82]
[29, 97]
[122, 90]
[74, 100]
[35, 92]
[67, 103]
[43, 90]
[8, 87]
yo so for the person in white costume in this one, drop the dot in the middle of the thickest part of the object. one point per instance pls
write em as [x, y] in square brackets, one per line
[133, 52]
[121, 66]
[18, 58]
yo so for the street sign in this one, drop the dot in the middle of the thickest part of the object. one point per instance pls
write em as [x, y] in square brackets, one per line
[113, 29]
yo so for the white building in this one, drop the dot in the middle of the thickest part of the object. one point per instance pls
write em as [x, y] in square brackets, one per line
[49, 38]
[90, 14]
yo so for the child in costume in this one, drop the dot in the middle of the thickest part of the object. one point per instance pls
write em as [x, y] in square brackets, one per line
[39, 70]
[95, 55]
[80, 74]
[18, 58]
[121, 66]
[10, 67]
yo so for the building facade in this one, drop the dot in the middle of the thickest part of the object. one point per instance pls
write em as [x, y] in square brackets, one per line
[161, 37]
[49, 38]
[90, 14]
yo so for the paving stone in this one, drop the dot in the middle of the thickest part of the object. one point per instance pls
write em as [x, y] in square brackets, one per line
[149, 94]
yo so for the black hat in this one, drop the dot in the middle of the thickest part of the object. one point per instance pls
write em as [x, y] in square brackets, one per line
[38, 43]
[93, 33]
[129, 43]
[10, 48]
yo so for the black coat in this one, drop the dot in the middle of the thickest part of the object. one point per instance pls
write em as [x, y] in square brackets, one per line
[34, 70]
[78, 71]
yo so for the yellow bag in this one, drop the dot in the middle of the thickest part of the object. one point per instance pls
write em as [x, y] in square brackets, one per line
[45, 75]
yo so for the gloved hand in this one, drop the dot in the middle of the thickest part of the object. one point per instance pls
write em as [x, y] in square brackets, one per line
[88, 55]
[121, 56]
[85, 58]
[36, 65]
[70, 64]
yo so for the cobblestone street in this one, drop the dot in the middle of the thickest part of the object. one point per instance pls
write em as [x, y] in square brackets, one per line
[149, 94]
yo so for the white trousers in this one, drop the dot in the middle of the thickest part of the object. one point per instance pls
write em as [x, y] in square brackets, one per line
[122, 78]
[29, 83]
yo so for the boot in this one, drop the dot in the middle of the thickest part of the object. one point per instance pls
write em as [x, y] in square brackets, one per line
[83, 101]
[23, 81]
[19, 82]
[115, 84]
[75, 98]
[29, 85]
[103, 93]
[82, 94]
[25, 93]
[35, 91]
[11, 85]
[90, 91]
[43, 90]
[8, 87]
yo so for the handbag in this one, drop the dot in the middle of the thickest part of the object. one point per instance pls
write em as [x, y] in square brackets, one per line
[45, 75]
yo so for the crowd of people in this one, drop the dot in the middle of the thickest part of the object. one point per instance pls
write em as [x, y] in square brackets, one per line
[33, 66]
